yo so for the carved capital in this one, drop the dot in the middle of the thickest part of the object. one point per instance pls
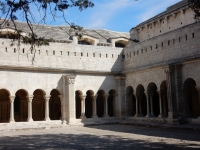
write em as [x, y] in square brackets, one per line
[29, 98]
[120, 80]
[47, 98]
[12, 98]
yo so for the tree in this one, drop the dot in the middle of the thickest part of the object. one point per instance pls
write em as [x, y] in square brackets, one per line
[195, 5]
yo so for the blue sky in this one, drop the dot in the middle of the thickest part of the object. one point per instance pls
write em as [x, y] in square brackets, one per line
[116, 15]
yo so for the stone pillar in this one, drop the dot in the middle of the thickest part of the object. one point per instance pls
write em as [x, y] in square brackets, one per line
[147, 97]
[121, 95]
[83, 107]
[106, 106]
[47, 108]
[70, 98]
[169, 92]
[161, 103]
[29, 99]
[94, 100]
[136, 100]
[12, 98]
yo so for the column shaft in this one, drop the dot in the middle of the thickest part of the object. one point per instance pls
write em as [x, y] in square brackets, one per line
[12, 109]
[83, 107]
[47, 108]
[148, 113]
[161, 103]
[94, 107]
[151, 101]
[30, 98]
[136, 99]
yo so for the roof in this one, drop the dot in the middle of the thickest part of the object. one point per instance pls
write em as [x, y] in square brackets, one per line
[62, 32]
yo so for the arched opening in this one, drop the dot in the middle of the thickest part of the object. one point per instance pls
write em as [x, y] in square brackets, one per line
[100, 103]
[55, 105]
[38, 105]
[78, 98]
[4, 106]
[154, 99]
[88, 104]
[163, 94]
[21, 106]
[86, 41]
[130, 102]
[142, 100]
[111, 103]
[191, 99]
[121, 43]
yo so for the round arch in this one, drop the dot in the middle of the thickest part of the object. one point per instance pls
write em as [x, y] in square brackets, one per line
[78, 99]
[55, 105]
[100, 103]
[89, 104]
[130, 102]
[142, 100]
[111, 103]
[4, 106]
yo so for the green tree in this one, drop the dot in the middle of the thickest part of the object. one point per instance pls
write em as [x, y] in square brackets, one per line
[195, 5]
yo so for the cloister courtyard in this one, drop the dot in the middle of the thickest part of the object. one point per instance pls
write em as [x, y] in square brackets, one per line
[111, 136]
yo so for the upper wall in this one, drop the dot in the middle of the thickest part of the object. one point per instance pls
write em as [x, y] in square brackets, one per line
[61, 56]
[172, 19]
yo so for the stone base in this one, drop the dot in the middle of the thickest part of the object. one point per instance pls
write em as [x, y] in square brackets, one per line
[139, 115]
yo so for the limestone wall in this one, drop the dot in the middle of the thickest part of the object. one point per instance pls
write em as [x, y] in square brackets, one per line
[62, 56]
[172, 47]
[163, 24]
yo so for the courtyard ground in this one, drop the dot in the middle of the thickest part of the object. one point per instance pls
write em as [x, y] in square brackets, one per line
[100, 137]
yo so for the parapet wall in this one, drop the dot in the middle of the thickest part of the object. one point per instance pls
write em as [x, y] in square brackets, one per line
[61, 56]
[172, 47]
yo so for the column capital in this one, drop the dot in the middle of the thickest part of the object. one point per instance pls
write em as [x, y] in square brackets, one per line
[30, 98]
[12, 98]
[60, 96]
[47, 97]
[121, 80]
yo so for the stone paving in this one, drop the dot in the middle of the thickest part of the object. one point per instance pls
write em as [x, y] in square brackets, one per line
[100, 137]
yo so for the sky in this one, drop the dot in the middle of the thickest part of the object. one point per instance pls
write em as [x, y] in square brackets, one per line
[115, 15]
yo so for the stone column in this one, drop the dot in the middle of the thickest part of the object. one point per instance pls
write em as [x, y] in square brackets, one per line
[147, 97]
[198, 89]
[47, 108]
[94, 100]
[83, 106]
[136, 100]
[164, 105]
[160, 102]
[169, 92]
[29, 99]
[12, 98]
[121, 95]
[69, 98]
[106, 106]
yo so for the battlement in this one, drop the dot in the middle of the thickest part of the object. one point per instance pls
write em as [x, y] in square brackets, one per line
[61, 56]
[171, 47]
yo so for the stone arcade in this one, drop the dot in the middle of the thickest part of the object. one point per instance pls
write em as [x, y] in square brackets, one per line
[151, 75]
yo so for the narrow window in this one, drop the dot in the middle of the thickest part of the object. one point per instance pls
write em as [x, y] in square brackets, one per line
[46, 52]
[127, 55]
[151, 47]
[168, 42]
[6, 49]
[192, 35]
[106, 55]
[156, 46]
[87, 54]
[112, 55]
[60, 52]
[14, 50]
[53, 52]
[142, 51]
[179, 39]
[173, 41]
[93, 54]
[162, 44]
[186, 37]
[81, 54]
[134, 53]
[99, 55]
[39, 52]
[23, 50]
[68, 53]
[74, 53]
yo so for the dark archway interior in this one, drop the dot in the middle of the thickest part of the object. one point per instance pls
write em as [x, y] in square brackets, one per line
[21, 106]
[55, 105]
[111, 103]
[120, 45]
[152, 91]
[130, 102]
[4, 106]
[163, 92]
[191, 98]
[88, 104]
[78, 97]
[142, 100]
[38, 106]
[100, 103]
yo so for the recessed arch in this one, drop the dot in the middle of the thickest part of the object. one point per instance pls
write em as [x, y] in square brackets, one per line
[100, 103]
[130, 102]
[89, 104]
[142, 100]
[55, 105]
[121, 43]
[154, 99]
[38, 105]
[78, 99]
[191, 98]
[21, 105]
[111, 103]
[4, 105]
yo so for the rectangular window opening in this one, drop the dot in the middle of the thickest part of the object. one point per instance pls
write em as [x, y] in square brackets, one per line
[186, 37]
[60, 52]
[14, 50]
[193, 35]
[6, 49]
[168, 42]
[74, 53]
[81, 54]
[68, 53]
[179, 39]
[106, 55]
[53, 52]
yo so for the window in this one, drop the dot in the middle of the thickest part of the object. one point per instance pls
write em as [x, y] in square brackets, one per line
[119, 45]
[53, 52]
[186, 37]
[192, 35]
[81, 54]
[23, 50]
[14, 50]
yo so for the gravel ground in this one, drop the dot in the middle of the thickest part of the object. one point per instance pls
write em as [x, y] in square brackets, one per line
[100, 137]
